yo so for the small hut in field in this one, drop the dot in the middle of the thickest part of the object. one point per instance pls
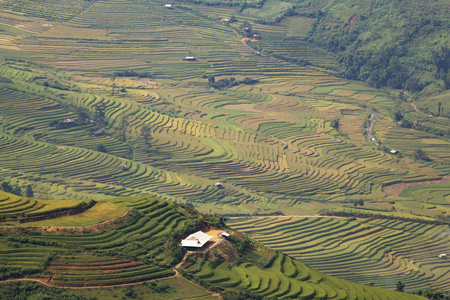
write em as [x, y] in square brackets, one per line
[196, 240]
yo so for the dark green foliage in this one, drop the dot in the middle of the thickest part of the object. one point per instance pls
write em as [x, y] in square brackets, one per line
[434, 295]
[243, 244]
[398, 116]
[222, 83]
[386, 43]
[420, 154]
[158, 287]
[132, 73]
[335, 123]
[29, 191]
[31, 290]
[400, 287]
[7, 272]
[145, 135]
[130, 293]
[100, 113]
[6, 187]
[101, 148]
[16, 190]
[240, 295]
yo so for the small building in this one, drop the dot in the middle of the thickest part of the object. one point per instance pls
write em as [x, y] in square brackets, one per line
[219, 185]
[122, 90]
[196, 240]
[168, 6]
[247, 29]
[225, 20]
[225, 234]
[443, 255]
[124, 167]
[393, 151]
[257, 53]
[256, 36]
[99, 132]
[191, 58]
[68, 121]
[59, 95]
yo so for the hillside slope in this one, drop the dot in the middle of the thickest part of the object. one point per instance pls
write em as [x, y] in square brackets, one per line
[144, 245]
[401, 44]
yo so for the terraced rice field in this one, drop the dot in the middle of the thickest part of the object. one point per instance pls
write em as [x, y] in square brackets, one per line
[129, 252]
[287, 278]
[370, 251]
[270, 143]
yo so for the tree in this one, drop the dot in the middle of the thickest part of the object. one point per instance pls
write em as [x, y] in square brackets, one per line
[101, 148]
[211, 80]
[113, 84]
[29, 192]
[124, 129]
[82, 115]
[398, 116]
[420, 154]
[335, 123]
[439, 108]
[100, 113]
[17, 191]
[6, 187]
[145, 134]
[400, 287]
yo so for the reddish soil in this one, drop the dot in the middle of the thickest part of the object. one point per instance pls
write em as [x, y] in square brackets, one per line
[352, 23]
[111, 268]
[397, 188]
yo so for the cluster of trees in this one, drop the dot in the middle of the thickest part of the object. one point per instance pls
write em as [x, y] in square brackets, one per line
[7, 272]
[419, 154]
[16, 190]
[132, 73]
[335, 123]
[434, 295]
[406, 123]
[31, 290]
[359, 202]
[229, 82]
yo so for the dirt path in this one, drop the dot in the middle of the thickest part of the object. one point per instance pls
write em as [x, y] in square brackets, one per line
[48, 281]
[424, 114]
[244, 41]
[397, 188]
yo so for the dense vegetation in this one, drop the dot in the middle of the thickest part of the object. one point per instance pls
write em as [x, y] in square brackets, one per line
[401, 44]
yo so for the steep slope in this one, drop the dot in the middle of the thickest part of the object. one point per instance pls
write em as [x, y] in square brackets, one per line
[401, 44]
[144, 245]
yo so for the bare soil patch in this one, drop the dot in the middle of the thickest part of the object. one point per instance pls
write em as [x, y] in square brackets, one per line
[346, 93]
[244, 107]
[397, 188]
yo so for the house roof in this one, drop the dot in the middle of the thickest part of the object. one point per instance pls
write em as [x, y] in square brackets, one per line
[196, 240]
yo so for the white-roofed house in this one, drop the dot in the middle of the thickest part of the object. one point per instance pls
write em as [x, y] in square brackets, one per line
[196, 240]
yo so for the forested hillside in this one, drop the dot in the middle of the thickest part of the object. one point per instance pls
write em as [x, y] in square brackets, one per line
[401, 44]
